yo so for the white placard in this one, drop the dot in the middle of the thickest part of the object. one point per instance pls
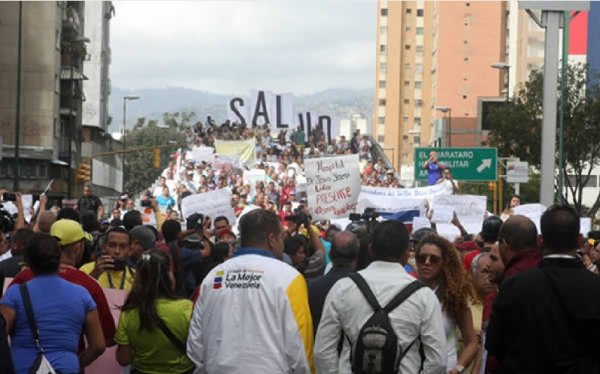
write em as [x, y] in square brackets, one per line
[442, 214]
[464, 205]
[252, 176]
[585, 225]
[529, 210]
[213, 204]
[420, 223]
[517, 172]
[333, 186]
[472, 225]
[27, 203]
[448, 231]
[200, 154]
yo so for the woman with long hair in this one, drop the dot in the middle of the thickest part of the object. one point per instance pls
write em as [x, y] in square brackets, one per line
[154, 324]
[439, 265]
[62, 311]
[514, 201]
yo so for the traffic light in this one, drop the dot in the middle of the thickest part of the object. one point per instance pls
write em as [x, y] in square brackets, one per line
[84, 171]
[156, 158]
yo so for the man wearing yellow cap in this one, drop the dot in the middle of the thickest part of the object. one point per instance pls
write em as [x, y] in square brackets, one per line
[71, 237]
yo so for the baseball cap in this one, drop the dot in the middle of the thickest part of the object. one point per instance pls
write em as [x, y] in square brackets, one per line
[144, 235]
[68, 231]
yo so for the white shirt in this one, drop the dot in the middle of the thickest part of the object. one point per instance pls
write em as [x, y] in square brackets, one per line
[6, 255]
[346, 307]
[252, 317]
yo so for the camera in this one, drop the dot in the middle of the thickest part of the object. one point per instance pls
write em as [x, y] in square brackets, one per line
[119, 264]
[368, 215]
[7, 196]
[7, 222]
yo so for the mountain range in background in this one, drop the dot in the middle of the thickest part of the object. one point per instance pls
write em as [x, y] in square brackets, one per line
[339, 103]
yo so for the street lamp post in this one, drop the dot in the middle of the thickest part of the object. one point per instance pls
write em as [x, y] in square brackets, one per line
[125, 100]
[448, 118]
[506, 68]
[17, 170]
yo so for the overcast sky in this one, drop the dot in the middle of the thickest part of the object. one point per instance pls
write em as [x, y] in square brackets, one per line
[231, 47]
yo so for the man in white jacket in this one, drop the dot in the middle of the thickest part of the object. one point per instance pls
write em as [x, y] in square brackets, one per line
[418, 319]
[252, 315]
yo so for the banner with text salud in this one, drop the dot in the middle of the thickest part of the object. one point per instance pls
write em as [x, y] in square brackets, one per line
[333, 186]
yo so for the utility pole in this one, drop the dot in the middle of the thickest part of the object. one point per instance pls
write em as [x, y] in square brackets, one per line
[17, 171]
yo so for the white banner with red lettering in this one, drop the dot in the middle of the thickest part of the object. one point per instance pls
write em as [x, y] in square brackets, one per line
[333, 186]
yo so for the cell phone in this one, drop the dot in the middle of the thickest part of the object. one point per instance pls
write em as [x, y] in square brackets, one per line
[119, 264]
[8, 196]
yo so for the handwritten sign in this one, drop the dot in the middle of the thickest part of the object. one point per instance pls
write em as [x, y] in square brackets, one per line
[213, 204]
[333, 186]
[463, 205]
[442, 214]
[420, 223]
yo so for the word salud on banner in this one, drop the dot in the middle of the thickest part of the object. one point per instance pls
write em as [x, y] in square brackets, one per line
[277, 111]
[333, 186]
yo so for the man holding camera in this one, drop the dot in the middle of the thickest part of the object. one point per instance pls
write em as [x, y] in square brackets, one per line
[111, 269]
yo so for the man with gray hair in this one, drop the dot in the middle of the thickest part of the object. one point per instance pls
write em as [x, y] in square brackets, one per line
[344, 253]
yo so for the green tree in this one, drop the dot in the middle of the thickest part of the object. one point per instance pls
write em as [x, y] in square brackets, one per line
[138, 171]
[516, 131]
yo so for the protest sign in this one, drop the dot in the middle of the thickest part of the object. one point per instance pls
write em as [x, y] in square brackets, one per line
[333, 186]
[442, 214]
[420, 223]
[420, 192]
[585, 225]
[227, 162]
[200, 154]
[213, 204]
[464, 205]
[27, 204]
[472, 224]
[262, 108]
[448, 231]
[245, 149]
[533, 212]
[252, 176]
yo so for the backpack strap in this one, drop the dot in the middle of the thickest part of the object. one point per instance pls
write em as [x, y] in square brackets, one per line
[30, 316]
[403, 295]
[366, 290]
[169, 334]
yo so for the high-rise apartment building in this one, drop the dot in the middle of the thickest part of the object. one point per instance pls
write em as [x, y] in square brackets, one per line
[433, 63]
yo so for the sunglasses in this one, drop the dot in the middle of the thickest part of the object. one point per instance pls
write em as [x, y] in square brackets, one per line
[433, 259]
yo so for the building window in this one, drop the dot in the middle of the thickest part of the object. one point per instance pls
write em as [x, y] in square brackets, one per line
[405, 137]
[408, 11]
[418, 121]
[420, 12]
[381, 102]
[382, 48]
[408, 29]
[381, 120]
[407, 47]
[468, 4]
[466, 59]
[405, 120]
[407, 65]
[406, 83]
[383, 30]
[419, 68]
[418, 85]
[382, 67]
[382, 84]
[380, 138]
[417, 140]
[418, 103]
[419, 31]
[419, 49]
[464, 97]
[384, 12]
[465, 41]
[406, 101]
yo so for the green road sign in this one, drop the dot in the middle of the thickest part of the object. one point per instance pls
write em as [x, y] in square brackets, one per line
[466, 164]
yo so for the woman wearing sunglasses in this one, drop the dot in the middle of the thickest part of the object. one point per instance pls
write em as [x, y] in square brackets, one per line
[439, 266]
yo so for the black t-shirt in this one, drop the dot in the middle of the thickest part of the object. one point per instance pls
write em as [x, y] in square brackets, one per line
[89, 203]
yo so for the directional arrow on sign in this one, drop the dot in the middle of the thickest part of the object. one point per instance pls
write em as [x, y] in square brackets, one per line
[485, 163]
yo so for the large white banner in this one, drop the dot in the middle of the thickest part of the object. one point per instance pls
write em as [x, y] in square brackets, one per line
[333, 186]
[420, 192]
[200, 154]
[213, 204]
[262, 107]
[470, 210]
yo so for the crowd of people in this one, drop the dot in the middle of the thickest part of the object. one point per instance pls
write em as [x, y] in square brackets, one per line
[279, 293]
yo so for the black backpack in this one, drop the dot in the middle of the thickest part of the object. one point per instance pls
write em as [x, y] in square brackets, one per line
[376, 349]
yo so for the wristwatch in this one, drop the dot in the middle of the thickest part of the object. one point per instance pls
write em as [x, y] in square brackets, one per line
[460, 368]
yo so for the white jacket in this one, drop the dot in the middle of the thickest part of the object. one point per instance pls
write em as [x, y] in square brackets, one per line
[252, 316]
[347, 308]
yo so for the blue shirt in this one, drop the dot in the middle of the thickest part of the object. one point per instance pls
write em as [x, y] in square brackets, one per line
[434, 173]
[167, 202]
[60, 309]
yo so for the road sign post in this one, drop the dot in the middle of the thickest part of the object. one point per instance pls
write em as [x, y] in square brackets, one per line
[466, 164]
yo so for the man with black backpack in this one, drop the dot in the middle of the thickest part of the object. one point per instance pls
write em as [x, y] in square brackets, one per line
[381, 320]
